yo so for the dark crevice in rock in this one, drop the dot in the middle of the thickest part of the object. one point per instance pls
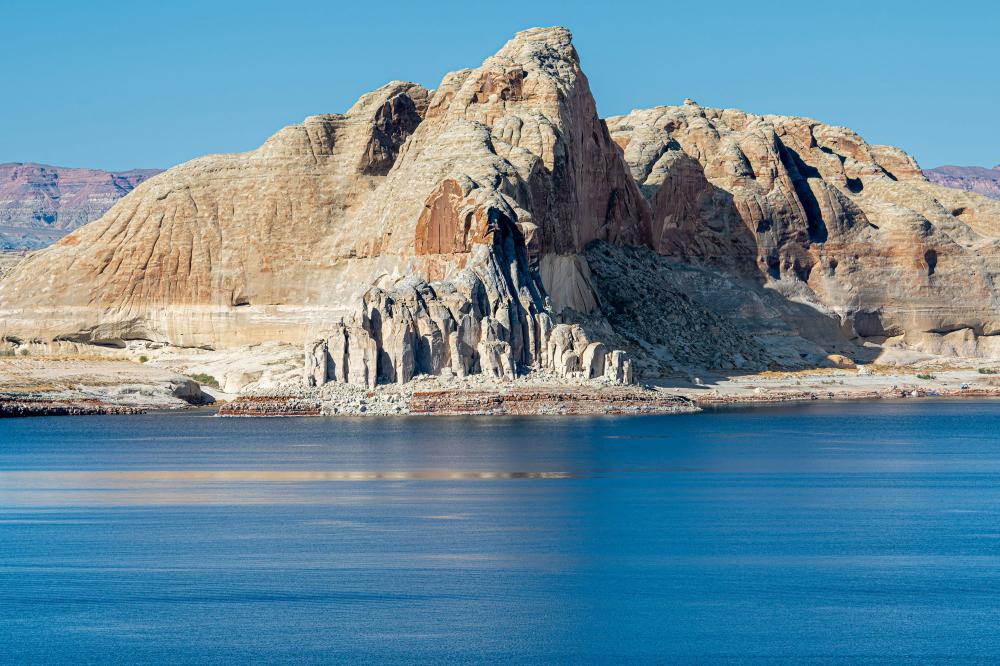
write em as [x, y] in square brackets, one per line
[931, 259]
[800, 173]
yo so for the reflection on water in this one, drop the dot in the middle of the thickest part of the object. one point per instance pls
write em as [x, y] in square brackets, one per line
[10, 480]
[62, 488]
[822, 533]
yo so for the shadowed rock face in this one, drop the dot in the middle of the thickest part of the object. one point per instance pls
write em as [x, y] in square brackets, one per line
[826, 218]
[971, 179]
[41, 203]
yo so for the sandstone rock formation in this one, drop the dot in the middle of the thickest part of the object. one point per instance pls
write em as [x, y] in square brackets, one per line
[226, 249]
[41, 203]
[501, 169]
[511, 168]
[497, 225]
[491, 318]
[855, 229]
[971, 179]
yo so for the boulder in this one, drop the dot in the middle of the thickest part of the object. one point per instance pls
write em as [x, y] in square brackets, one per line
[362, 355]
[593, 360]
[618, 368]
[316, 363]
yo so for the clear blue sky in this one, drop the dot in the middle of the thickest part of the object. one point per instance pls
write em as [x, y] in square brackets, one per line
[151, 84]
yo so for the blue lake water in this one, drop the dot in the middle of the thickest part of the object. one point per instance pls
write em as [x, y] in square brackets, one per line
[821, 533]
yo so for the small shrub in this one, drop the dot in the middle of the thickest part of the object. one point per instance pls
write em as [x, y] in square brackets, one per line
[926, 375]
[988, 371]
[207, 380]
[143, 358]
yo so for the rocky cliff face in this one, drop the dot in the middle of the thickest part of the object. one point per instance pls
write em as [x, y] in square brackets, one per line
[971, 179]
[853, 228]
[510, 171]
[497, 225]
[40, 203]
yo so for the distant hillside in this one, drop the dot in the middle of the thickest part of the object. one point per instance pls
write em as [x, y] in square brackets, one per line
[41, 203]
[971, 179]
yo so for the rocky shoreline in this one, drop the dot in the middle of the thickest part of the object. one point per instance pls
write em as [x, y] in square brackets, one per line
[552, 401]
[58, 386]
[64, 386]
[276, 405]
[430, 399]
[526, 398]
[522, 403]
[21, 407]
[859, 396]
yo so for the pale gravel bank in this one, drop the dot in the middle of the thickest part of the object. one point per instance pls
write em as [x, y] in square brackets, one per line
[71, 386]
[546, 394]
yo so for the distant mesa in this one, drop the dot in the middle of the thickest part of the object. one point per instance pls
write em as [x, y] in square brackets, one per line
[971, 179]
[40, 203]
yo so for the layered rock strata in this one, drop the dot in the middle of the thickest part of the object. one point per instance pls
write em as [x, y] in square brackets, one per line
[853, 228]
[971, 179]
[40, 203]
[21, 407]
[271, 406]
[226, 249]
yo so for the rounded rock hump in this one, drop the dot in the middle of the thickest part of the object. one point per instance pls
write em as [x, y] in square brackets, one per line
[225, 249]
